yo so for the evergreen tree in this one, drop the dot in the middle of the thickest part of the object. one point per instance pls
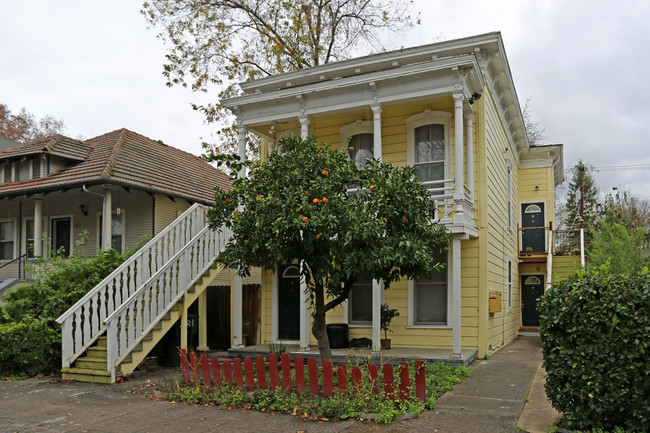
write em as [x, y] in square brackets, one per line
[582, 200]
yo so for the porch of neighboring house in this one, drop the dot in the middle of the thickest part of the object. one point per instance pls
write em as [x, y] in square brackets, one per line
[392, 356]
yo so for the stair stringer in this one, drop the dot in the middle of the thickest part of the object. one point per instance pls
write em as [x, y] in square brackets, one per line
[146, 346]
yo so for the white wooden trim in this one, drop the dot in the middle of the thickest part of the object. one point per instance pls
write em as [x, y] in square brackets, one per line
[456, 297]
[274, 305]
[355, 128]
[237, 310]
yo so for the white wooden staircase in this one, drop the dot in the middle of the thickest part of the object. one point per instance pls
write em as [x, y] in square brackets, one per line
[109, 331]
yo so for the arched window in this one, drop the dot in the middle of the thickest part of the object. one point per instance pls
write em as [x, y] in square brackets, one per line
[357, 140]
[428, 146]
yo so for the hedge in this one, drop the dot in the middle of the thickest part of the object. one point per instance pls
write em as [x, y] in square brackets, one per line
[29, 347]
[595, 330]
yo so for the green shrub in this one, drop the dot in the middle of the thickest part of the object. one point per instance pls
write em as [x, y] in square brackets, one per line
[30, 338]
[595, 330]
[29, 347]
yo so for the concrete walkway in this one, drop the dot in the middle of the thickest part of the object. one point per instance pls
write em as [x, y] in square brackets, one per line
[490, 401]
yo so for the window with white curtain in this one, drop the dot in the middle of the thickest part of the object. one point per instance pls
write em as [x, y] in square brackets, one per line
[431, 296]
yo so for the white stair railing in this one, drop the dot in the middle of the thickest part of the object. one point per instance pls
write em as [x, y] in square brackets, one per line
[137, 316]
[83, 323]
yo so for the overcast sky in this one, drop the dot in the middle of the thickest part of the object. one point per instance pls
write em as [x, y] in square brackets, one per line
[584, 64]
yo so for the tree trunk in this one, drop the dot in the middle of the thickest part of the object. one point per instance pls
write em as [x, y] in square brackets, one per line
[318, 327]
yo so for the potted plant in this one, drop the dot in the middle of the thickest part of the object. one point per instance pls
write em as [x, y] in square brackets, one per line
[387, 315]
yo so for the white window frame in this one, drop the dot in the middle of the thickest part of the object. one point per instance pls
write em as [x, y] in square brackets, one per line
[15, 240]
[511, 218]
[429, 118]
[510, 275]
[346, 311]
[411, 300]
[99, 226]
[43, 239]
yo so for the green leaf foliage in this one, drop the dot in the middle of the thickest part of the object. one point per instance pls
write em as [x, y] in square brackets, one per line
[30, 338]
[621, 248]
[312, 204]
[594, 328]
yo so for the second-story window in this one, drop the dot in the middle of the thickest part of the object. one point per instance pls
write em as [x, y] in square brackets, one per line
[430, 152]
[428, 148]
[357, 140]
[360, 149]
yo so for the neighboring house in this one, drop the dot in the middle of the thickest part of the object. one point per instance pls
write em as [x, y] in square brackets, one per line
[451, 110]
[6, 144]
[53, 192]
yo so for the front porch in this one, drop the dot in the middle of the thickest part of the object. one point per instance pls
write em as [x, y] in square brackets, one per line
[392, 356]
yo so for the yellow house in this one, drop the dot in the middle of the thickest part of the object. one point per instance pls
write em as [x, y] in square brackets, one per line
[450, 109]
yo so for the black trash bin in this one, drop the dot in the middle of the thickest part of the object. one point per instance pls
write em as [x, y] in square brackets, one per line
[169, 356]
[338, 335]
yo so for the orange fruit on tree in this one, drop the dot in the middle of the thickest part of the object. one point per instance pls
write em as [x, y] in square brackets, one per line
[324, 172]
[371, 186]
[325, 199]
[404, 219]
[315, 201]
[227, 200]
[317, 237]
[304, 219]
[258, 198]
[306, 193]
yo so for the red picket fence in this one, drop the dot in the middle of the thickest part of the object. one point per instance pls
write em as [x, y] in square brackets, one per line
[217, 372]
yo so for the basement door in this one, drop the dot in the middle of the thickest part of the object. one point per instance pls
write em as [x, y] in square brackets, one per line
[532, 289]
[289, 303]
[532, 238]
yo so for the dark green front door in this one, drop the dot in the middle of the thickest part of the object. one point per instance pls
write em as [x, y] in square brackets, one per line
[532, 237]
[532, 288]
[289, 303]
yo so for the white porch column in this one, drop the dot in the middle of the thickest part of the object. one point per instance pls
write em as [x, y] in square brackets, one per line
[236, 279]
[455, 297]
[107, 216]
[469, 125]
[459, 169]
[241, 132]
[305, 301]
[377, 285]
[376, 132]
[237, 300]
[38, 226]
[304, 126]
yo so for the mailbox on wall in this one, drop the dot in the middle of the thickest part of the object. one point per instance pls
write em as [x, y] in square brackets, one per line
[495, 302]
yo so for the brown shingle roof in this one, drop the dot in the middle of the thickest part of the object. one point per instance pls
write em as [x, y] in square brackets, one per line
[57, 145]
[123, 157]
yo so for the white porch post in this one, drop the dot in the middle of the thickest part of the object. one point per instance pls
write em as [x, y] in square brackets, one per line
[237, 282]
[107, 223]
[38, 227]
[469, 124]
[459, 178]
[455, 302]
[377, 285]
[305, 302]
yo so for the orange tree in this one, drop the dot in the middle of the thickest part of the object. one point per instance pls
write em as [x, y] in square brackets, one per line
[312, 204]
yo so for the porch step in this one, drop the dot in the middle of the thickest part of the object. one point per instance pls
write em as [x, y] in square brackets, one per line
[86, 374]
[91, 366]
[529, 331]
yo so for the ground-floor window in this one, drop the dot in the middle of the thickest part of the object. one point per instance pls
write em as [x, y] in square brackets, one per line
[360, 303]
[431, 297]
[7, 234]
